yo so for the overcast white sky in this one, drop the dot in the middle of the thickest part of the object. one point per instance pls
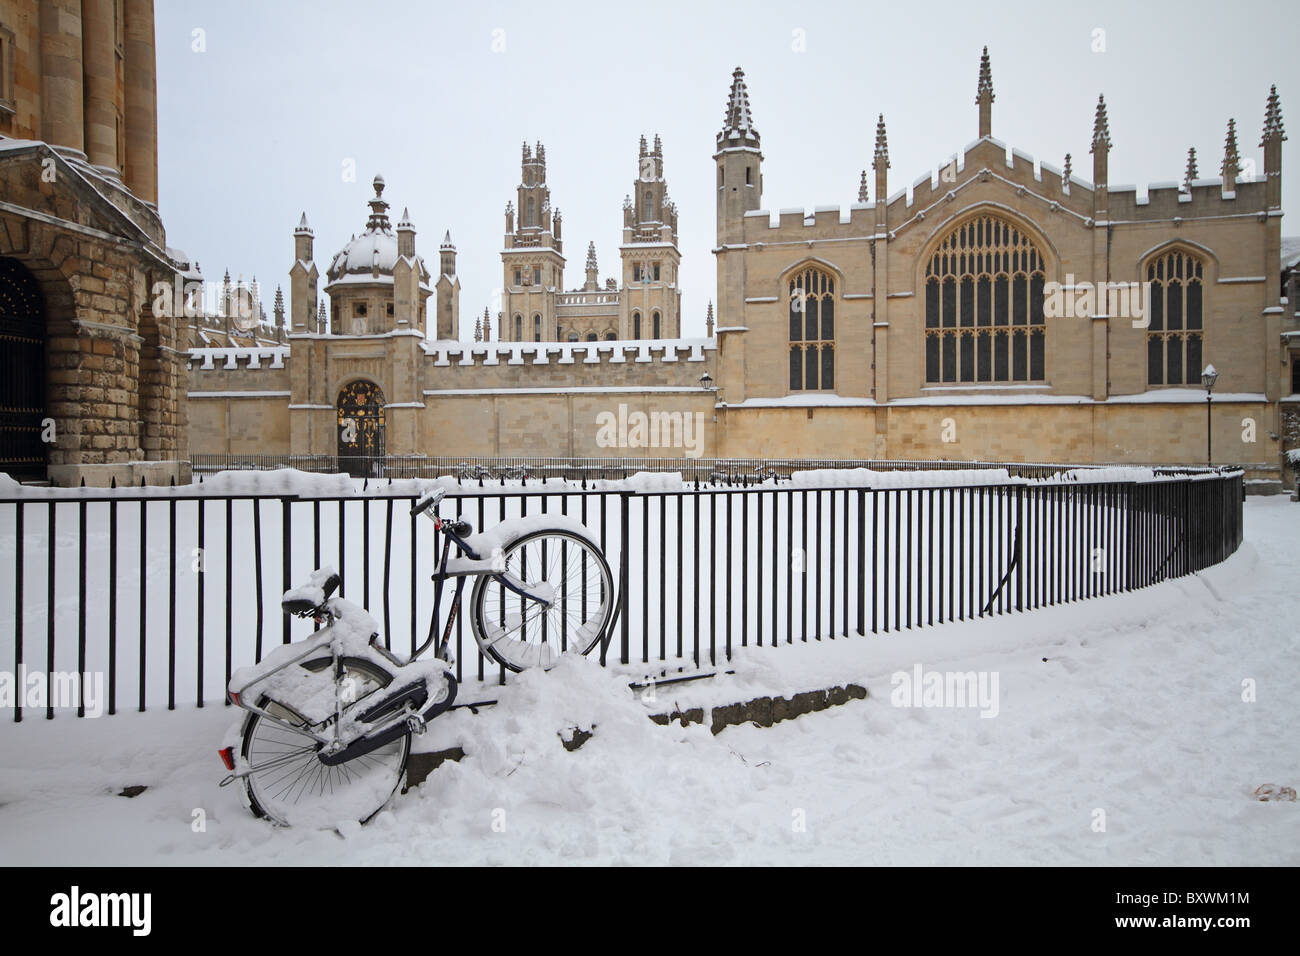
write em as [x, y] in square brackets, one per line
[256, 128]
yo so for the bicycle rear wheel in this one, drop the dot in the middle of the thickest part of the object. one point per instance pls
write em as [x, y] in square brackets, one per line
[290, 786]
[520, 633]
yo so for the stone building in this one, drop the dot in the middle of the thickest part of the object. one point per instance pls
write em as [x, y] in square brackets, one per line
[996, 308]
[93, 383]
[990, 309]
[645, 303]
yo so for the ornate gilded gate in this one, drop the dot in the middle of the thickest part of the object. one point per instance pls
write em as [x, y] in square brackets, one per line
[361, 430]
[22, 372]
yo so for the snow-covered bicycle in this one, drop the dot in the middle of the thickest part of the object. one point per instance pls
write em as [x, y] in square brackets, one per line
[330, 718]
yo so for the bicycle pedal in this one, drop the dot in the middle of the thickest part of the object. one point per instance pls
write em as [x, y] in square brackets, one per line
[415, 723]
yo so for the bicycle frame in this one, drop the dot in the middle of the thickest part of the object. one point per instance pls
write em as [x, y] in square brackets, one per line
[441, 575]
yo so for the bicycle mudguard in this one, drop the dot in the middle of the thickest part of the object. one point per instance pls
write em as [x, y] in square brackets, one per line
[480, 548]
[359, 748]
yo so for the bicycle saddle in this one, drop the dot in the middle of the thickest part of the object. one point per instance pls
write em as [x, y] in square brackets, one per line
[304, 600]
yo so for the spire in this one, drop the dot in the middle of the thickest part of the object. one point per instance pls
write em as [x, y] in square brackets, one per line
[541, 153]
[278, 308]
[737, 123]
[303, 229]
[1273, 119]
[659, 149]
[447, 243]
[984, 95]
[1231, 158]
[320, 318]
[1192, 172]
[986, 78]
[528, 153]
[378, 221]
[1065, 175]
[405, 221]
[863, 195]
[478, 326]
[708, 321]
[591, 256]
[1101, 127]
[881, 159]
[1274, 137]
[643, 151]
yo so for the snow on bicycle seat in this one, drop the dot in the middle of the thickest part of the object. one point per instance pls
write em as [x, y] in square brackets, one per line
[324, 582]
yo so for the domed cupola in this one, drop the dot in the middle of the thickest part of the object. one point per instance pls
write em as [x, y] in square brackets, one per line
[377, 283]
[369, 257]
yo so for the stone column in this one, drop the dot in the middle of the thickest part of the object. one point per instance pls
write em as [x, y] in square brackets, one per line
[97, 41]
[61, 78]
[141, 102]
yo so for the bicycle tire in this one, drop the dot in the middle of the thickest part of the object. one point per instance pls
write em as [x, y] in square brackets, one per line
[261, 803]
[515, 654]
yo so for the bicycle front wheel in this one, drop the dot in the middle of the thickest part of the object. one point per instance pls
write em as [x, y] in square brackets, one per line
[518, 632]
[289, 785]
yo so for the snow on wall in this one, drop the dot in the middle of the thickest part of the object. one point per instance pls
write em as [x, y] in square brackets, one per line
[446, 354]
[239, 357]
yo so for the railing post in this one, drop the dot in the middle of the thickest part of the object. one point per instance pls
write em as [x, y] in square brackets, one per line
[1018, 557]
[624, 557]
[862, 561]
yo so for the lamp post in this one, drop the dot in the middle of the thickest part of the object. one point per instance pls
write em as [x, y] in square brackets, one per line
[1207, 379]
[706, 383]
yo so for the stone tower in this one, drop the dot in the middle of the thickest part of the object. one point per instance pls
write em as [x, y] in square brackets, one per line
[740, 189]
[303, 277]
[651, 305]
[532, 256]
[448, 290]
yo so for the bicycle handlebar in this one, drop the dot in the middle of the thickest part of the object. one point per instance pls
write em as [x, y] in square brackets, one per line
[428, 501]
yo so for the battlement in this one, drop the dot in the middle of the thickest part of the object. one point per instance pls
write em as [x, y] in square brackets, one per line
[643, 351]
[823, 222]
[983, 158]
[600, 297]
[1204, 198]
[243, 357]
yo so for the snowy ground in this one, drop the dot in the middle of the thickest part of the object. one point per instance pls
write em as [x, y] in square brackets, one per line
[1137, 711]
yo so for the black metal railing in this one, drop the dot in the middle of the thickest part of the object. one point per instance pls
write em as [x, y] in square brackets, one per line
[701, 470]
[164, 592]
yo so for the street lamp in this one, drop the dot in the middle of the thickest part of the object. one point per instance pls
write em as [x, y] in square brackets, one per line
[1207, 379]
[706, 382]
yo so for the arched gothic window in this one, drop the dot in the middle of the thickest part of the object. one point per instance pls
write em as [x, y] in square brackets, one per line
[655, 323]
[519, 328]
[537, 328]
[811, 307]
[984, 306]
[1174, 335]
[636, 325]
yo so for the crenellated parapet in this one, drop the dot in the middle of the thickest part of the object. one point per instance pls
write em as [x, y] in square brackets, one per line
[250, 357]
[557, 355]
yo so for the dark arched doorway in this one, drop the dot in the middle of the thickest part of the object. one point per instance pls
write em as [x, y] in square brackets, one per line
[22, 373]
[361, 430]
